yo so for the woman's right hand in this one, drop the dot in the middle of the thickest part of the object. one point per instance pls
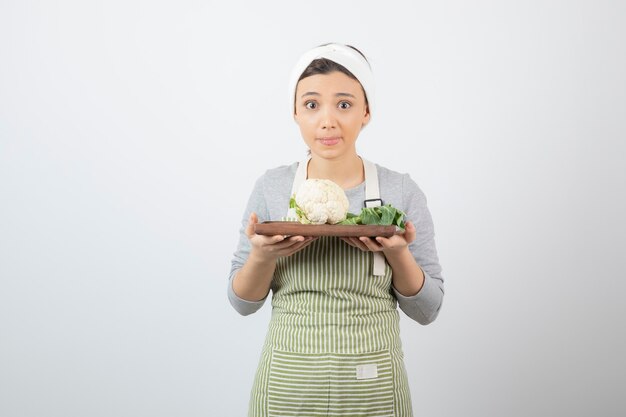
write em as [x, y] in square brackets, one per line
[270, 248]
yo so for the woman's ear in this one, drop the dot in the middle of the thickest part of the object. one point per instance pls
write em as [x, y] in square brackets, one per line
[366, 118]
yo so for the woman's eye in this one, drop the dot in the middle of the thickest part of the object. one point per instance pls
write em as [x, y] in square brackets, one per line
[310, 105]
[344, 105]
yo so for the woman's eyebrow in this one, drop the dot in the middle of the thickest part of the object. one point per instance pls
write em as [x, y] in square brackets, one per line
[313, 93]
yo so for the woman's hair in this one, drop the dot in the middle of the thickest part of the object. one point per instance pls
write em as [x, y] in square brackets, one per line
[326, 66]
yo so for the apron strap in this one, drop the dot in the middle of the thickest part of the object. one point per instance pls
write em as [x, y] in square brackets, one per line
[372, 199]
[300, 176]
[297, 181]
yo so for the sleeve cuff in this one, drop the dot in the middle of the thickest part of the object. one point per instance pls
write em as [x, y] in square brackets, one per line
[243, 307]
[417, 306]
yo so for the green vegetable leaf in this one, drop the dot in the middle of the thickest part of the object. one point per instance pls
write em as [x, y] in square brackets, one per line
[302, 218]
[370, 215]
[383, 216]
[351, 219]
[387, 214]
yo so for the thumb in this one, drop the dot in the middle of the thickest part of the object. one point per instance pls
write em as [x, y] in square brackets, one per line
[252, 220]
[409, 232]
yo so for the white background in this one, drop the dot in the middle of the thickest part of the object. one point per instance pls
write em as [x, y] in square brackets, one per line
[131, 133]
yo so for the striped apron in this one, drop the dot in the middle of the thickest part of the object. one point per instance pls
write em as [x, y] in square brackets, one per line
[333, 344]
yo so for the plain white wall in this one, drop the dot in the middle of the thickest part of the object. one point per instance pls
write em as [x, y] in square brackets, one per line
[131, 133]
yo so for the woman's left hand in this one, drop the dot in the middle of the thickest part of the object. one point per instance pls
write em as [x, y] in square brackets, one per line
[388, 245]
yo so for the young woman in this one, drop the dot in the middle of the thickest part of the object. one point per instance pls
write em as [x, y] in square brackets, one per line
[333, 345]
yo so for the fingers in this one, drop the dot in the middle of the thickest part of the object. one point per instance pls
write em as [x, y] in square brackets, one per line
[279, 244]
[298, 246]
[396, 242]
[364, 243]
[371, 244]
[347, 240]
[293, 246]
[273, 247]
[399, 241]
[289, 241]
[274, 240]
[265, 243]
[384, 242]
[350, 241]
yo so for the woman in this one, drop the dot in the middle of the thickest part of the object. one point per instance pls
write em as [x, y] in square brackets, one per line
[333, 345]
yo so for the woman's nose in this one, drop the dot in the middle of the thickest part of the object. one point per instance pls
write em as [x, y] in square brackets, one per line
[328, 120]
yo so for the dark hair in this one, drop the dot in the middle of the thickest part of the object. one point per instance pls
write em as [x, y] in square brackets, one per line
[326, 66]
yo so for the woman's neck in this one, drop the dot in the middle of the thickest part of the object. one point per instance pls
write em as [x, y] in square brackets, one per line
[346, 172]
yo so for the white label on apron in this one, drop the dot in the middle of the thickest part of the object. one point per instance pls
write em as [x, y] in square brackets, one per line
[367, 371]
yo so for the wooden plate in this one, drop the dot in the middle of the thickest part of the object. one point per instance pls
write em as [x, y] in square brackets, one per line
[299, 229]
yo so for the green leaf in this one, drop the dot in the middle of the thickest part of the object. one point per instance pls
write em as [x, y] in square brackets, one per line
[398, 219]
[387, 214]
[369, 215]
[351, 219]
[302, 218]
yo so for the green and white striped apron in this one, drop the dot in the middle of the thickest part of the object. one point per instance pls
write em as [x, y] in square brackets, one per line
[333, 345]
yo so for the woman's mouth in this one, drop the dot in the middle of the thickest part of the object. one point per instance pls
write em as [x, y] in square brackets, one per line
[331, 141]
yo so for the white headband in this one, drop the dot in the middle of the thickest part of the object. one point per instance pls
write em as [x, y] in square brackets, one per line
[342, 55]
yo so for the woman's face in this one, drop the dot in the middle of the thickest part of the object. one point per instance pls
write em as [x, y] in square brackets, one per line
[330, 110]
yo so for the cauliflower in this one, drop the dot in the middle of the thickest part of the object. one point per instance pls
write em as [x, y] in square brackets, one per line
[320, 201]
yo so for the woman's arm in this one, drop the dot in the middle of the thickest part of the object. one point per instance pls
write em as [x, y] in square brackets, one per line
[418, 294]
[408, 277]
[416, 281]
[252, 282]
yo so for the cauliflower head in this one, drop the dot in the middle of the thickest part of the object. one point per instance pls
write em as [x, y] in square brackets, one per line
[321, 201]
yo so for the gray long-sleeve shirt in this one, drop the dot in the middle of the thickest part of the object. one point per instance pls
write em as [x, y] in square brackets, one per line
[270, 200]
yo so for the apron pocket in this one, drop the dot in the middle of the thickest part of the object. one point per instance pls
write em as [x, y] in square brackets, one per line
[303, 384]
